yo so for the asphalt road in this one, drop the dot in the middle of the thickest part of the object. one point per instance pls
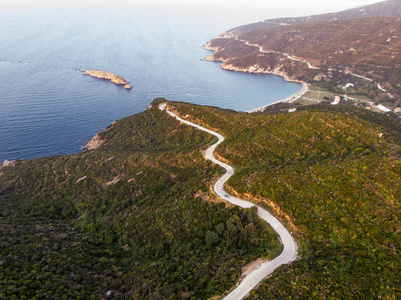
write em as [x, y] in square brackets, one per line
[290, 250]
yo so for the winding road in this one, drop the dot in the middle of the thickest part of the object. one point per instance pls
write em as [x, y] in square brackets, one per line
[277, 52]
[290, 249]
[301, 60]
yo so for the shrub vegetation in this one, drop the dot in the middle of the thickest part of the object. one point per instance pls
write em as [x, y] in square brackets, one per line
[132, 219]
[333, 175]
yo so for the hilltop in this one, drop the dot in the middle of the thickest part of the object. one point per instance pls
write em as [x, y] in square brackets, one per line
[137, 217]
[381, 9]
[324, 50]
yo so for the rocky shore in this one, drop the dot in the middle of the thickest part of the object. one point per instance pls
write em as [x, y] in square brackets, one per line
[278, 70]
[7, 163]
[108, 76]
[94, 143]
[255, 69]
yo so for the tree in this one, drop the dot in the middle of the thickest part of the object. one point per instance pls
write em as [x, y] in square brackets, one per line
[211, 238]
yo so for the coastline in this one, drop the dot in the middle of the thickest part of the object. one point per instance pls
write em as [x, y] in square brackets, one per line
[258, 70]
[292, 98]
[255, 69]
[7, 163]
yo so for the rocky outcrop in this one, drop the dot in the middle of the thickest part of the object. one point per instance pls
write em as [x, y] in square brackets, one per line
[256, 69]
[109, 76]
[210, 47]
[321, 77]
[94, 143]
[7, 163]
[211, 58]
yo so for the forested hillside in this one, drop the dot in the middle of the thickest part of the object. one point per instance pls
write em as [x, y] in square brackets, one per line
[133, 219]
[137, 217]
[333, 174]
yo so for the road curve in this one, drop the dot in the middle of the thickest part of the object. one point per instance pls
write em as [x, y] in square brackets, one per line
[297, 59]
[290, 250]
[272, 51]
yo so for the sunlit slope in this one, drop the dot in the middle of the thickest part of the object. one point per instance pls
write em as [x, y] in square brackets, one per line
[136, 217]
[132, 219]
[333, 174]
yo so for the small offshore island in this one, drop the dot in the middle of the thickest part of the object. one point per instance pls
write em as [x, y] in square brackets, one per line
[140, 215]
[109, 76]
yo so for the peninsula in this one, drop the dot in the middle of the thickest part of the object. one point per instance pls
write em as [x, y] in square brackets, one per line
[353, 54]
[109, 76]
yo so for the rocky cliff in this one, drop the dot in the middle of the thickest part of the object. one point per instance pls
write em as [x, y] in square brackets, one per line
[7, 163]
[94, 143]
[109, 76]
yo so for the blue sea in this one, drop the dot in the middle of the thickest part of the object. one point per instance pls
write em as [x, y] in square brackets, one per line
[47, 107]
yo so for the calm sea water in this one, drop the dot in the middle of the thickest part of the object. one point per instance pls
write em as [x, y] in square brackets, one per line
[49, 108]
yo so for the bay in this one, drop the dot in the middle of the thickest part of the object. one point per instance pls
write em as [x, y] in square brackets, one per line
[48, 108]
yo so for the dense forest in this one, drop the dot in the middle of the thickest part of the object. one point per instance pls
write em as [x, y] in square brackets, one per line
[132, 219]
[137, 217]
[332, 174]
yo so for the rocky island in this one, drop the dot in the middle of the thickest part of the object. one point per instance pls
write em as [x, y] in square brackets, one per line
[109, 76]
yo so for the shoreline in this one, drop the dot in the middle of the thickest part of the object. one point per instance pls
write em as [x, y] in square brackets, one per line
[258, 70]
[289, 99]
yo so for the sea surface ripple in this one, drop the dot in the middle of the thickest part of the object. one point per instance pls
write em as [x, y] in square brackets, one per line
[48, 108]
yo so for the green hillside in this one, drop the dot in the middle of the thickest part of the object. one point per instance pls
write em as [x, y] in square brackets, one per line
[333, 174]
[133, 219]
[144, 223]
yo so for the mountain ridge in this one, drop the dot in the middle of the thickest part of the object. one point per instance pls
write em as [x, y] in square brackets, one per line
[380, 9]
